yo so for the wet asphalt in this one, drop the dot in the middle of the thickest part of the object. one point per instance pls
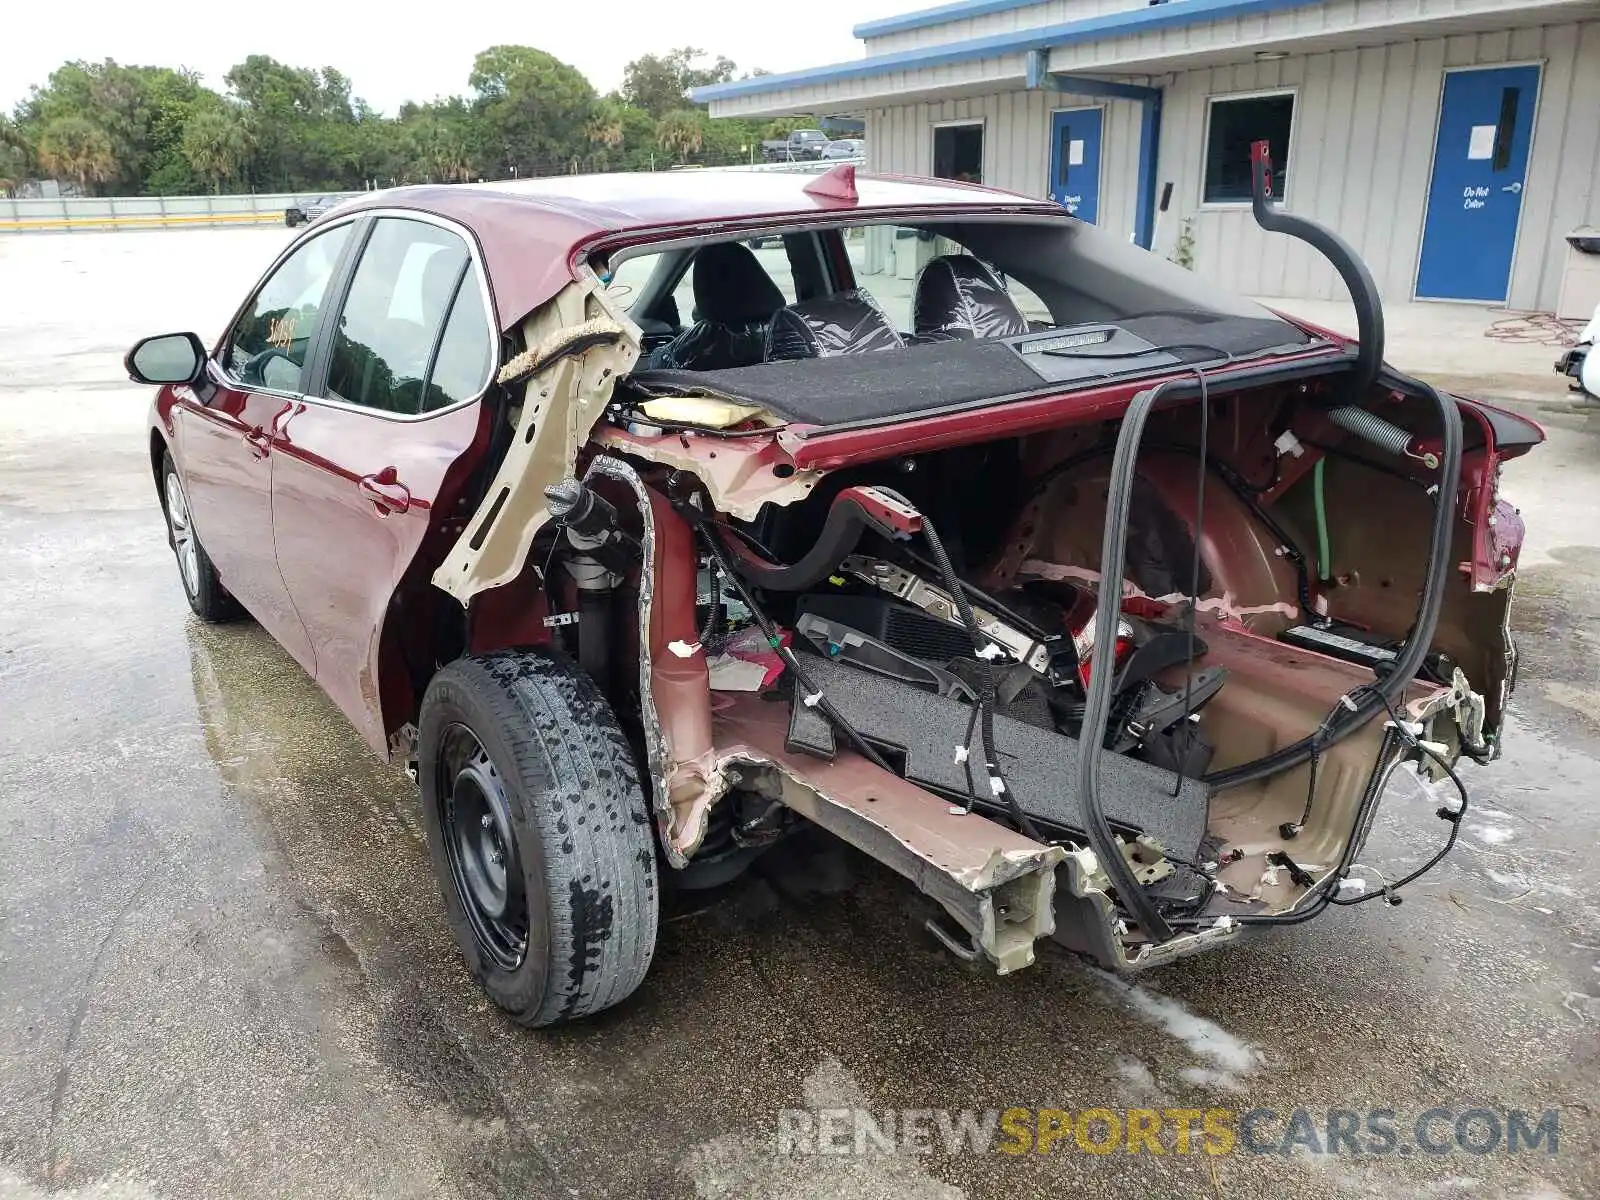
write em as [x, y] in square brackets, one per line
[224, 968]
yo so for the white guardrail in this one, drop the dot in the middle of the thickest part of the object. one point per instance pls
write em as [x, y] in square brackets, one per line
[155, 212]
[140, 212]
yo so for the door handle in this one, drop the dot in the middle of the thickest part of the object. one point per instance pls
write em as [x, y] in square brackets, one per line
[388, 494]
[1513, 187]
[258, 442]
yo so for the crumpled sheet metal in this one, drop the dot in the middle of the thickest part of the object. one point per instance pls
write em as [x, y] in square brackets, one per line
[665, 774]
[581, 343]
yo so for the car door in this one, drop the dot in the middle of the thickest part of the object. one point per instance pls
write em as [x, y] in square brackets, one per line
[224, 432]
[360, 462]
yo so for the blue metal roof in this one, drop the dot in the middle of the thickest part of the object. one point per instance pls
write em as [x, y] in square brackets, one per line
[1090, 29]
[938, 15]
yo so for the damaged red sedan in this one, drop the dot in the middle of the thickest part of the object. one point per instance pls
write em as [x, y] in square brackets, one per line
[653, 518]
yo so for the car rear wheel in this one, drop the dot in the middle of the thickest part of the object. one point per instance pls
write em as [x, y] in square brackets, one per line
[539, 833]
[204, 591]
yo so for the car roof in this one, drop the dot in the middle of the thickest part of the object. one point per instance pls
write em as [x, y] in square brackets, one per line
[528, 229]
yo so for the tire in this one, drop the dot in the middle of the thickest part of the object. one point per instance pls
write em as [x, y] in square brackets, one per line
[201, 587]
[529, 786]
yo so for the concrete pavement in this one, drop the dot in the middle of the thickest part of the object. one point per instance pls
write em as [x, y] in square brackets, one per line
[224, 968]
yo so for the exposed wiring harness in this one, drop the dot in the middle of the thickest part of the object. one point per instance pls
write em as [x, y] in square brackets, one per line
[1389, 892]
[1453, 815]
[811, 694]
[986, 689]
[983, 715]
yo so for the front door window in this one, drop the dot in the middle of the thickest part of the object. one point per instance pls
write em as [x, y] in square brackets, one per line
[267, 346]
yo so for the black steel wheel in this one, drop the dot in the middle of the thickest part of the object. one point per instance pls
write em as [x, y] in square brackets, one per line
[484, 865]
[539, 833]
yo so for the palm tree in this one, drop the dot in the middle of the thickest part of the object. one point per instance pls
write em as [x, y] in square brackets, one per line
[605, 128]
[216, 145]
[681, 132]
[13, 155]
[78, 149]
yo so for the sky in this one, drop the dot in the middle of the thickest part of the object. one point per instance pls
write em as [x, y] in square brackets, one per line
[403, 50]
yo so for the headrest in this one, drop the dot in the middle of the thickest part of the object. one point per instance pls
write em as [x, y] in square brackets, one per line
[731, 286]
[843, 323]
[959, 297]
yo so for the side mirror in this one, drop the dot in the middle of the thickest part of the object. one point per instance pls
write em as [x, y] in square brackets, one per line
[166, 358]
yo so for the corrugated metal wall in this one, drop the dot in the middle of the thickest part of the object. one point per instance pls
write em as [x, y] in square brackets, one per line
[1361, 153]
[1016, 144]
[1052, 12]
[1360, 156]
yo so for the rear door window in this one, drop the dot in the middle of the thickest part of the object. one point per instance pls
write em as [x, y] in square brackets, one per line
[414, 305]
[268, 344]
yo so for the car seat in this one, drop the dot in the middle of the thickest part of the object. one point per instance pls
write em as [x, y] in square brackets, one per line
[957, 297]
[842, 323]
[734, 299]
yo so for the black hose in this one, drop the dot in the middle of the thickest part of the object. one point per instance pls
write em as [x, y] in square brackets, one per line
[1357, 279]
[847, 520]
[1097, 702]
[1194, 571]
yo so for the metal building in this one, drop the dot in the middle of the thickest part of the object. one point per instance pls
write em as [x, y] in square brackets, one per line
[1454, 142]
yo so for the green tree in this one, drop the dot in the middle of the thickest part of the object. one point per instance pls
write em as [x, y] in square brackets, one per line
[298, 118]
[682, 132]
[142, 111]
[78, 149]
[436, 143]
[16, 151]
[216, 145]
[660, 83]
[533, 109]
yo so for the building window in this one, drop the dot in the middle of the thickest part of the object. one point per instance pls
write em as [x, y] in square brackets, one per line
[1231, 125]
[958, 152]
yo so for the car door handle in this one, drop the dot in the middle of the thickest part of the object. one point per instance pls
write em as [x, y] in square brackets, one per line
[388, 494]
[258, 442]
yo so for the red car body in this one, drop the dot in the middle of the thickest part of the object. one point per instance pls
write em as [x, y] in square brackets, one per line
[378, 546]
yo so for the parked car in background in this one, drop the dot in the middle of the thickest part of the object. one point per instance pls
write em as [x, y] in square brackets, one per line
[845, 148]
[801, 145]
[307, 210]
[639, 594]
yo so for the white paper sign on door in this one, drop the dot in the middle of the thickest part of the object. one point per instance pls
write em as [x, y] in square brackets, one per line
[1075, 153]
[1481, 143]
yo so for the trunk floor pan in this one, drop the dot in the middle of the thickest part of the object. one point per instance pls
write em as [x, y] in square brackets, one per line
[1040, 766]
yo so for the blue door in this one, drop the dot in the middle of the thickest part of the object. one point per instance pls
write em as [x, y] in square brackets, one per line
[1075, 162]
[1479, 170]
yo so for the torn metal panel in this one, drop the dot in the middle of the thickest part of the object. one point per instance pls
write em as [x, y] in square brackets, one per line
[579, 344]
[740, 474]
[995, 883]
[674, 689]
